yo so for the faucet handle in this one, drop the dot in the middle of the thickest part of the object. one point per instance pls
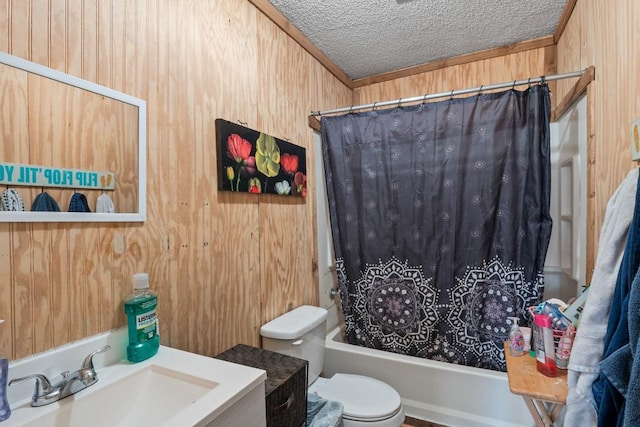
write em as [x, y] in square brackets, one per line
[43, 385]
[88, 361]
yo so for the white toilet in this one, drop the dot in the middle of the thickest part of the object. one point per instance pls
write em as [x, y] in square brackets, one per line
[367, 402]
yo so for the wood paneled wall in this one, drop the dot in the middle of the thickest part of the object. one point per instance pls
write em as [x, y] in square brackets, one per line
[225, 263]
[606, 35]
[516, 66]
[222, 263]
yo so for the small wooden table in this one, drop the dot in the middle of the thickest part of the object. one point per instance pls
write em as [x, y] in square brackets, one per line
[543, 395]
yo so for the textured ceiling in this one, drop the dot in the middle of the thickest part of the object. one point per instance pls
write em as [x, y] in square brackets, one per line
[368, 37]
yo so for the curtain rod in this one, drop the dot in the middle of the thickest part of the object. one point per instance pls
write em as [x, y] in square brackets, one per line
[450, 93]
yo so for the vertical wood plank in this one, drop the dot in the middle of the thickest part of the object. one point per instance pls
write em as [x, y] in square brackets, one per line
[41, 276]
[73, 37]
[104, 37]
[159, 211]
[163, 208]
[39, 27]
[6, 293]
[23, 296]
[5, 19]
[93, 279]
[57, 35]
[184, 281]
[60, 283]
[20, 37]
[76, 289]
[90, 47]
[119, 30]
[204, 311]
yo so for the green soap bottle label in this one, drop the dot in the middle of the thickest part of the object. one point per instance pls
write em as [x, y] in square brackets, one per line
[143, 321]
[146, 326]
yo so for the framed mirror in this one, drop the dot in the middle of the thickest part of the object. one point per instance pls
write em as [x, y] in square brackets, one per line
[54, 124]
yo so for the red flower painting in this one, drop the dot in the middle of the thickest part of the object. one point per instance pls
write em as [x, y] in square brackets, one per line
[239, 150]
[255, 162]
[300, 181]
[289, 163]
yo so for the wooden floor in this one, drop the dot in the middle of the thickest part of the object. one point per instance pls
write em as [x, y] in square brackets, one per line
[412, 422]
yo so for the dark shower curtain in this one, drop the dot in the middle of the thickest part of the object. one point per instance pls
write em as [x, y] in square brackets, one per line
[440, 222]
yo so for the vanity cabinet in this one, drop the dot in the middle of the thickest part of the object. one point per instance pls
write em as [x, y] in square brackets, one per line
[249, 411]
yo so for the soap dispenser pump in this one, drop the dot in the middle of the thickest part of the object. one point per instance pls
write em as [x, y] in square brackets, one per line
[516, 339]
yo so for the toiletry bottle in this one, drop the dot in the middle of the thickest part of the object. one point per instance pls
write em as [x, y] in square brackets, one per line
[516, 339]
[5, 410]
[142, 322]
[526, 334]
[545, 354]
[557, 319]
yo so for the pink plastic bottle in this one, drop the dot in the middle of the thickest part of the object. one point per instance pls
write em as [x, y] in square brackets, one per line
[545, 354]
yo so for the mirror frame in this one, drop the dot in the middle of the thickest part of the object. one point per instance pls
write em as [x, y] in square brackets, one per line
[141, 214]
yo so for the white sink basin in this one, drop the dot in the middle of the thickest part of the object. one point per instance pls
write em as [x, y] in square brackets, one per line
[149, 396]
[173, 388]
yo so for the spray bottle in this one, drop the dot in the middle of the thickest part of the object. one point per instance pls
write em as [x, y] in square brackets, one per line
[516, 339]
[5, 410]
[545, 354]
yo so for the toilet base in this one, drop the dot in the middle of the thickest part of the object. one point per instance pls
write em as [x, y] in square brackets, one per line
[395, 421]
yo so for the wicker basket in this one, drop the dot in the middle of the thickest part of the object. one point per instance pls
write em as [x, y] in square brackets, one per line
[285, 387]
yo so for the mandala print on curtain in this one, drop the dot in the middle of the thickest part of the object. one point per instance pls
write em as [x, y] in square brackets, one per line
[440, 222]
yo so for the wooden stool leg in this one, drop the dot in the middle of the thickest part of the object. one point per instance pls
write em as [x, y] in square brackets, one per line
[534, 412]
[542, 415]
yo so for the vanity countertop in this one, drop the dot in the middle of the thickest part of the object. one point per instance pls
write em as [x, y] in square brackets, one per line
[191, 389]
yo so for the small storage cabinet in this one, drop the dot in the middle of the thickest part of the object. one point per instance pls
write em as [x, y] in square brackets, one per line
[285, 387]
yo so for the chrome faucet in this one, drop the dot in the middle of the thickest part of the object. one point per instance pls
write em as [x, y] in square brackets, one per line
[45, 393]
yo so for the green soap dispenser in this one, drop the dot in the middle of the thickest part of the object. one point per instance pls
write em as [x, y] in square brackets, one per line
[142, 322]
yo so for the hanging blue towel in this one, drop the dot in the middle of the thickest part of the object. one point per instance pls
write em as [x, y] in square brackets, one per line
[610, 389]
[632, 405]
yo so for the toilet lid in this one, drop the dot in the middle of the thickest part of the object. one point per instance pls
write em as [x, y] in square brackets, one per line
[363, 398]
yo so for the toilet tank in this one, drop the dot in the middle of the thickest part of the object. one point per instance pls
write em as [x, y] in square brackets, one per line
[299, 333]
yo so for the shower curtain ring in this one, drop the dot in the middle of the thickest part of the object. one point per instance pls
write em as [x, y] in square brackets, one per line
[374, 106]
[514, 85]
[424, 100]
[451, 96]
[351, 109]
[529, 82]
[399, 102]
[480, 90]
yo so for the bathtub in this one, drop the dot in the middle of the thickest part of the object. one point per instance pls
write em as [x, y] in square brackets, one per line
[439, 392]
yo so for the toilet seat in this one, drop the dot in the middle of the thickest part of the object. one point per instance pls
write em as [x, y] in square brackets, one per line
[364, 398]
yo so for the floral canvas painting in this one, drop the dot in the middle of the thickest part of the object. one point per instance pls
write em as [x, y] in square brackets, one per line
[254, 162]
